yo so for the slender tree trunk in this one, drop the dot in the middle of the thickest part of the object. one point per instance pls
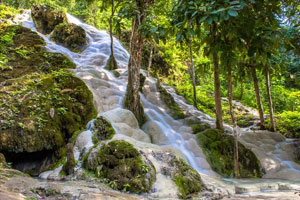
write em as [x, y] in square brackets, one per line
[193, 74]
[242, 90]
[132, 97]
[112, 61]
[150, 58]
[268, 85]
[258, 99]
[219, 121]
[235, 133]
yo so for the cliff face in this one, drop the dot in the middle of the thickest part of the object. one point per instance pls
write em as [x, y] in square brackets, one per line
[42, 104]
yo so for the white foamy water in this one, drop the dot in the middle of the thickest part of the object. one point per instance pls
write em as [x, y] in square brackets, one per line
[108, 92]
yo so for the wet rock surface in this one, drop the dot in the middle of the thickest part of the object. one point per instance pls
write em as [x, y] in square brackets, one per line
[42, 105]
[218, 148]
[124, 167]
[46, 18]
[70, 36]
[102, 129]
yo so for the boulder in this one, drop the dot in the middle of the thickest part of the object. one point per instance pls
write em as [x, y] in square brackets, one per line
[25, 54]
[120, 115]
[122, 166]
[155, 132]
[70, 36]
[46, 18]
[42, 105]
[136, 134]
[218, 148]
[102, 129]
[187, 180]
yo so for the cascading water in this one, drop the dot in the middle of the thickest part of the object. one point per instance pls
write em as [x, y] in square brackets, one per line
[108, 90]
[108, 93]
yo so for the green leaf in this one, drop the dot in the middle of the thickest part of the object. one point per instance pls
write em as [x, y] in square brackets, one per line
[232, 13]
[203, 18]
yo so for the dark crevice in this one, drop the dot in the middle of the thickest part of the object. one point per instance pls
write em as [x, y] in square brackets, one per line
[32, 163]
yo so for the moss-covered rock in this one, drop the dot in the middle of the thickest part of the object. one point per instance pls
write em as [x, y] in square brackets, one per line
[70, 36]
[219, 150]
[46, 18]
[41, 111]
[123, 166]
[173, 108]
[186, 178]
[21, 53]
[102, 129]
[197, 128]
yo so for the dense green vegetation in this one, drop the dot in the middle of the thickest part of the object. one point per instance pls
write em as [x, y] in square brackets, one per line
[171, 58]
[212, 52]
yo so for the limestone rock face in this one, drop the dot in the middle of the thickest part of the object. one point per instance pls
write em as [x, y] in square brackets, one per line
[70, 36]
[42, 105]
[119, 115]
[219, 149]
[155, 132]
[123, 166]
[46, 18]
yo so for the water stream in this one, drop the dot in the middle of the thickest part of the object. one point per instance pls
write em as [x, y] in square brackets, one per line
[108, 93]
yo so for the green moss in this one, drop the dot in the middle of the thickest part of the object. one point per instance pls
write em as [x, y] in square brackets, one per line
[27, 104]
[219, 150]
[116, 73]
[21, 53]
[70, 36]
[167, 98]
[47, 17]
[197, 128]
[102, 130]
[186, 178]
[74, 136]
[122, 165]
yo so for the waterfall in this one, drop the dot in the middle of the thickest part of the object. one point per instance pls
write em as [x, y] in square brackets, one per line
[108, 92]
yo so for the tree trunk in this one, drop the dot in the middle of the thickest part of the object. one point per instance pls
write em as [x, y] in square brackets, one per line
[268, 85]
[219, 121]
[112, 61]
[259, 104]
[150, 58]
[235, 133]
[132, 98]
[242, 90]
[193, 74]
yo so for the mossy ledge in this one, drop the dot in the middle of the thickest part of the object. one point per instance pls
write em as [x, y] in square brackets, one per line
[70, 35]
[167, 98]
[122, 166]
[42, 104]
[187, 179]
[218, 149]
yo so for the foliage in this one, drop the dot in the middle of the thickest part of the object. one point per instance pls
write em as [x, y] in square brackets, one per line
[288, 124]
